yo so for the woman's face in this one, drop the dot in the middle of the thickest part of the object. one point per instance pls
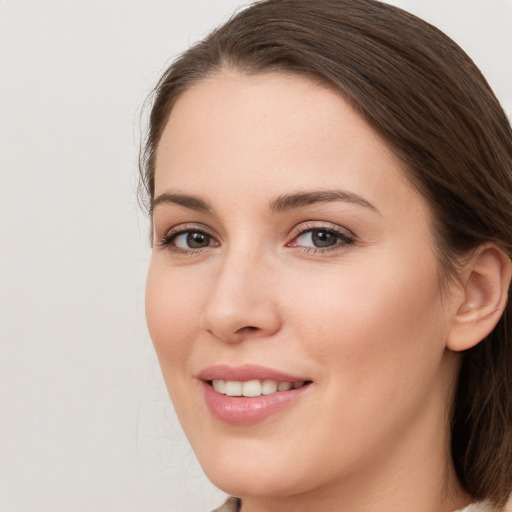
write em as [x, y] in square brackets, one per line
[290, 248]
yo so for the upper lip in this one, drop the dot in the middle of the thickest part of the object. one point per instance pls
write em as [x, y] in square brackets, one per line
[247, 372]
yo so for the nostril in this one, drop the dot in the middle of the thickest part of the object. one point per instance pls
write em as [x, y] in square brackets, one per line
[248, 328]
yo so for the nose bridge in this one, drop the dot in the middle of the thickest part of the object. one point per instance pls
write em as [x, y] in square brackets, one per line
[240, 301]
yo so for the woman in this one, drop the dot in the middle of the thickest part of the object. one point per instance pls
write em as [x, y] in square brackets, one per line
[330, 185]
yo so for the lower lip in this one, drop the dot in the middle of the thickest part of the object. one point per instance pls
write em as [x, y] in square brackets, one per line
[237, 410]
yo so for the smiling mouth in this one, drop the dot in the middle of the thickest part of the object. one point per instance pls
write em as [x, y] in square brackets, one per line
[248, 394]
[254, 388]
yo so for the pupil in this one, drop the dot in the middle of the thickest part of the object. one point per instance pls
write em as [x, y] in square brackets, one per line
[323, 238]
[198, 240]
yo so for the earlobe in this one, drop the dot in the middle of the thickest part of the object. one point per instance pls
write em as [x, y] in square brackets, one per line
[485, 280]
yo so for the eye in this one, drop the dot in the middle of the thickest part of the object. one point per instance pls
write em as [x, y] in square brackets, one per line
[192, 240]
[320, 238]
[183, 240]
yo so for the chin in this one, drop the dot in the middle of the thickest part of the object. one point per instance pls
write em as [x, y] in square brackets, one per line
[250, 481]
[263, 468]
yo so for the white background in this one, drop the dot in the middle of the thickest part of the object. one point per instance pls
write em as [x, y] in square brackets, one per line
[85, 422]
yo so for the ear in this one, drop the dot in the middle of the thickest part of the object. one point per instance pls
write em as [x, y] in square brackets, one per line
[485, 281]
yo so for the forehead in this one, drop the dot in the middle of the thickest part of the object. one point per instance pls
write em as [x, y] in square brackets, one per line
[274, 107]
[234, 133]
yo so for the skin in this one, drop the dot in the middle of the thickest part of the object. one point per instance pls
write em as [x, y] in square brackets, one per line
[367, 321]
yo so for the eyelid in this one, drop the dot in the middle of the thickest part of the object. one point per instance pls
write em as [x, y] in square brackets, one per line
[348, 238]
[315, 225]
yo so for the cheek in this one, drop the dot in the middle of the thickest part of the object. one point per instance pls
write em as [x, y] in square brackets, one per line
[172, 321]
[376, 346]
[373, 319]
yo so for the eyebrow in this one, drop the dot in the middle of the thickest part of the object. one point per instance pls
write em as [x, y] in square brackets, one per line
[280, 204]
[288, 202]
[192, 202]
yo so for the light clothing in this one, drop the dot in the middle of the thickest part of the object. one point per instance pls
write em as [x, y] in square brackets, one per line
[234, 505]
[483, 506]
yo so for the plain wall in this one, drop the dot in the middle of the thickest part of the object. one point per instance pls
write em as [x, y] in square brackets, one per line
[85, 421]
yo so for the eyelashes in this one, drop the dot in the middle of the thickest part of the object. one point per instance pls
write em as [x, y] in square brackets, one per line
[320, 237]
[188, 238]
[308, 237]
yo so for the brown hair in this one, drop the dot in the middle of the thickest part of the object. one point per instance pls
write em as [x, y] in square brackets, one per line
[433, 106]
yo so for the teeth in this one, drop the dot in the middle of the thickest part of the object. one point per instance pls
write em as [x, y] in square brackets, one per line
[268, 387]
[252, 388]
[233, 388]
[219, 385]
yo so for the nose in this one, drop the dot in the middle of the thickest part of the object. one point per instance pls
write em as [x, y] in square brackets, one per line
[241, 303]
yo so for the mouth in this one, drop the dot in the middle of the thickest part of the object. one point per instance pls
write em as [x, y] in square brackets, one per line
[249, 394]
[255, 387]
